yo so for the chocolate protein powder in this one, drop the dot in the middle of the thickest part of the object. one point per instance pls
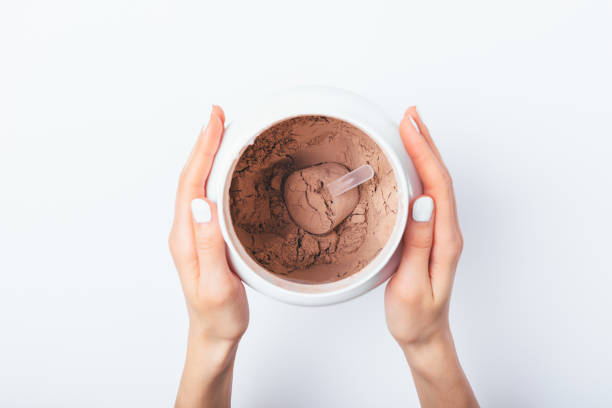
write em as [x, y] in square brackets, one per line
[318, 239]
[311, 205]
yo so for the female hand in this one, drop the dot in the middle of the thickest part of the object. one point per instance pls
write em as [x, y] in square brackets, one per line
[417, 296]
[215, 296]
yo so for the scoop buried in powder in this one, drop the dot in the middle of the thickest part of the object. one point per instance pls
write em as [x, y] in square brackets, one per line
[320, 197]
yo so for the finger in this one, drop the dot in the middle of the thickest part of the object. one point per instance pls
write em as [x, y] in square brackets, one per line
[437, 184]
[418, 240]
[417, 121]
[210, 246]
[424, 131]
[429, 168]
[200, 160]
[191, 185]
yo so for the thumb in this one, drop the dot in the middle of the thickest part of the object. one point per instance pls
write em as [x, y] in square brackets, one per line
[208, 238]
[418, 239]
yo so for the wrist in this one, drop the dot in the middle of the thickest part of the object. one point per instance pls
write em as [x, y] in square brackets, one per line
[208, 372]
[437, 373]
[432, 357]
[217, 354]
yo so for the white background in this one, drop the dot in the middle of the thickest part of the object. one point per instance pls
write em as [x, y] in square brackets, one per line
[100, 103]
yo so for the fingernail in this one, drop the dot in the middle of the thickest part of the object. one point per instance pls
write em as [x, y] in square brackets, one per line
[215, 115]
[200, 210]
[422, 209]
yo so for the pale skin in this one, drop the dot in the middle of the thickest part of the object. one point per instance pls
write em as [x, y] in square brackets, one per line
[416, 298]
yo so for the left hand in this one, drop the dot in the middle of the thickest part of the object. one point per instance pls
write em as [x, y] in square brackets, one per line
[418, 295]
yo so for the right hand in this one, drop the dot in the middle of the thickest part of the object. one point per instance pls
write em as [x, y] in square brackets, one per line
[216, 299]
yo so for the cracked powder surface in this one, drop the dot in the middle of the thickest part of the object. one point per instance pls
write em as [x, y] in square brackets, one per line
[310, 203]
[347, 235]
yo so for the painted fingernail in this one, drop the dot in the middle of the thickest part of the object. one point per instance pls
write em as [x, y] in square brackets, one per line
[422, 209]
[200, 210]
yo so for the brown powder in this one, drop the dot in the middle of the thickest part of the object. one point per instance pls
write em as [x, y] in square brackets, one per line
[269, 233]
[310, 203]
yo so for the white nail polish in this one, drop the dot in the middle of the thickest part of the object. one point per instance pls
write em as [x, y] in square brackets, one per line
[200, 210]
[422, 209]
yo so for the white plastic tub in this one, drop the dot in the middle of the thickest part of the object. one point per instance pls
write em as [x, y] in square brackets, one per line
[329, 102]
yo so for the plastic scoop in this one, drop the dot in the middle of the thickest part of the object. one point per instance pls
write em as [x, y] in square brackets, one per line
[350, 180]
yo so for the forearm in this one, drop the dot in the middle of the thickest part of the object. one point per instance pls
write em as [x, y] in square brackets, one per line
[438, 376]
[207, 376]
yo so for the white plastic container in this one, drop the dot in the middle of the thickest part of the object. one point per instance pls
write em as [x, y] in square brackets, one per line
[323, 101]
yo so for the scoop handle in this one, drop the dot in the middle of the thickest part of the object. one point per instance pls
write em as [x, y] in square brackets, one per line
[350, 180]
